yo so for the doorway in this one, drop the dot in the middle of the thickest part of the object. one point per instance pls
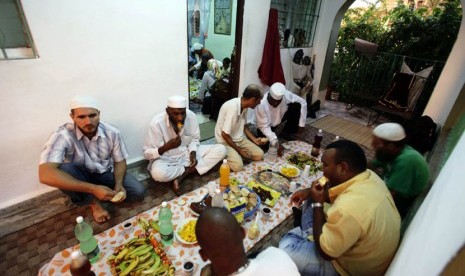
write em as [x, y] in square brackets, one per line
[221, 41]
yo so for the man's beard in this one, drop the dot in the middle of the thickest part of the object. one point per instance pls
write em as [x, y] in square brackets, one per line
[384, 156]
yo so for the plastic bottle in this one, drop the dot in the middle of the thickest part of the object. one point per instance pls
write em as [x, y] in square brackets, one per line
[217, 200]
[336, 138]
[87, 242]
[317, 143]
[80, 265]
[224, 174]
[166, 225]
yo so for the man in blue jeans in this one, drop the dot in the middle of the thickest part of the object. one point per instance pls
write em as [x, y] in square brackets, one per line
[87, 161]
[359, 233]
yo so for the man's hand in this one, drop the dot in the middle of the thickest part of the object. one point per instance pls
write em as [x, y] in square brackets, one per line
[260, 141]
[103, 193]
[174, 143]
[245, 154]
[317, 192]
[120, 189]
[300, 196]
[193, 159]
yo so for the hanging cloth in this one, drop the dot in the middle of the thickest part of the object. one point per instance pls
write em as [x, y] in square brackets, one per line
[271, 70]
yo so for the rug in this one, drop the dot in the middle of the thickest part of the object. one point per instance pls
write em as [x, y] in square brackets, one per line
[207, 130]
[345, 129]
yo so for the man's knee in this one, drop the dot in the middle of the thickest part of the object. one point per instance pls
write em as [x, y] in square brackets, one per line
[161, 174]
[258, 154]
[236, 165]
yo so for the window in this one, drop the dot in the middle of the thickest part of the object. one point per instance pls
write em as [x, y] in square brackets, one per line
[297, 21]
[15, 38]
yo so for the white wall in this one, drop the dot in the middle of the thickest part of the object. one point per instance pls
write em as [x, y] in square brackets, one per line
[129, 55]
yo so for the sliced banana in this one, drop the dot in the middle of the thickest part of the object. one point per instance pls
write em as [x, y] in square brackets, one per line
[118, 197]
[264, 140]
[323, 180]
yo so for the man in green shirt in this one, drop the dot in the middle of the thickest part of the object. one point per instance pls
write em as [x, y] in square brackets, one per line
[403, 169]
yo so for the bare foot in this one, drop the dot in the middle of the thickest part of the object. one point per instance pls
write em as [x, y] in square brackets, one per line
[176, 187]
[98, 212]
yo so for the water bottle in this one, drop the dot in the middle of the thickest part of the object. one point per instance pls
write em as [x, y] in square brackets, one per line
[224, 174]
[217, 200]
[80, 265]
[317, 143]
[87, 242]
[166, 225]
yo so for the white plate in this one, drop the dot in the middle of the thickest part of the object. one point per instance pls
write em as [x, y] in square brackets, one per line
[179, 227]
[289, 166]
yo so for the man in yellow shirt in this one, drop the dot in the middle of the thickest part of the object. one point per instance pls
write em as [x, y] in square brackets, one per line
[359, 233]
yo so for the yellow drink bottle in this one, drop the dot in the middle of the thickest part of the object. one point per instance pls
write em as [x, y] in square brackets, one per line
[224, 174]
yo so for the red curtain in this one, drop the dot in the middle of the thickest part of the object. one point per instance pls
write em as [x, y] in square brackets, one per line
[271, 70]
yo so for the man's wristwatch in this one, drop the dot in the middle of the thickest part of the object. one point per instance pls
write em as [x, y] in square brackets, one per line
[316, 205]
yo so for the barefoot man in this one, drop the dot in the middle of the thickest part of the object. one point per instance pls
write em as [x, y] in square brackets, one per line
[86, 160]
[173, 148]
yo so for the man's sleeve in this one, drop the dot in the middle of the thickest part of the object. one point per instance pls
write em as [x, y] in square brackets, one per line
[263, 123]
[153, 141]
[55, 149]
[195, 142]
[119, 151]
[401, 179]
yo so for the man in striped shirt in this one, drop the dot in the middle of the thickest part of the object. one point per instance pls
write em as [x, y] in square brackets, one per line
[86, 160]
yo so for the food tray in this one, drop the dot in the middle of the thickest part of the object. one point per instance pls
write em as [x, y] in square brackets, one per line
[278, 181]
[273, 194]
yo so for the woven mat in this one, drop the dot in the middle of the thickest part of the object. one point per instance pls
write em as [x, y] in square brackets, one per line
[346, 129]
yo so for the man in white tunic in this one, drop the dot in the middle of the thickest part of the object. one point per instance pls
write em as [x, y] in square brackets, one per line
[172, 145]
[280, 106]
[230, 129]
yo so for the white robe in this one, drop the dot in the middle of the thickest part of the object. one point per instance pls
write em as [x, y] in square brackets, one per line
[172, 163]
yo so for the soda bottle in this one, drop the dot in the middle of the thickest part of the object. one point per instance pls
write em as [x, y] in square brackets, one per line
[317, 143]
[166, 225]
[87, 242]
[224, 174]
[80, 265]
[217, 200]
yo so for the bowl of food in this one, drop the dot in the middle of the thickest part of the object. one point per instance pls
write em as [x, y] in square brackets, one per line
[185, 232]
[242, 194]
[289, 170]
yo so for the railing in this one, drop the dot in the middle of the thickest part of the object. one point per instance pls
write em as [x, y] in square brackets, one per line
[361, 78]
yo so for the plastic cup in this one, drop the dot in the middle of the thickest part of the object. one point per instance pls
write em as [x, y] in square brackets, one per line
[266, 213]
[188, 268]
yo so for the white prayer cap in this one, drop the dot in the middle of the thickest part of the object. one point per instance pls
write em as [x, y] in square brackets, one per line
[197, 46]
[83, 101]
[177, 102]
[389, 132]
[277, 91]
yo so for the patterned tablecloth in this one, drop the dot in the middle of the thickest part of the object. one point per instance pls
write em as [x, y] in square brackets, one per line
[179, 252]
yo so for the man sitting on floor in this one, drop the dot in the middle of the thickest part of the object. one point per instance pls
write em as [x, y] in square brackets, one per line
[280, 106]
[220, 239]
[87, 161]
[403, 169]
[230, 128]
[360, 231]
[173, 148]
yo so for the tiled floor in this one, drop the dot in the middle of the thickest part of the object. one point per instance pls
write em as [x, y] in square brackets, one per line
[32, 232]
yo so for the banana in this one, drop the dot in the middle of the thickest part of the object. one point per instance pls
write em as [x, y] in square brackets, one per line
[121, 254]
[144, 224]
[154, 225]
[141, 252]
[154, 268]
[130, 254]
[130, 267]
[147, 264]
[137, 241]
[145, 257]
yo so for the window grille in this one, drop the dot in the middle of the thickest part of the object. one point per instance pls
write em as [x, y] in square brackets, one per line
[297, 21]
[15, 38]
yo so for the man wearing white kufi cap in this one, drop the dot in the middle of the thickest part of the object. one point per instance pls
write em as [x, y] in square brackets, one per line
[86, 160]
[172, 145]
[403, 169]
[280, 106]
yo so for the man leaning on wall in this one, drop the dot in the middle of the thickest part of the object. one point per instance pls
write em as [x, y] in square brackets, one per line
[86, 160]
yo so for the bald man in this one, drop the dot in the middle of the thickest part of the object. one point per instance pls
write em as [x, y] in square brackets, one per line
[220, 240]
[172, 145]
[86, 160]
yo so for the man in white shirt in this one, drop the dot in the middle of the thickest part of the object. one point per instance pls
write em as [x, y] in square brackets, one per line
[173, 148]
[220, 239]
[280, 106]
[230, 129]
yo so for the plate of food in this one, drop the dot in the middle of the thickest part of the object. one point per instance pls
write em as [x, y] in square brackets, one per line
[267, 195]
[185, 232]
[274, 180]
[300, 160]
[289, 170]
[238, 193]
